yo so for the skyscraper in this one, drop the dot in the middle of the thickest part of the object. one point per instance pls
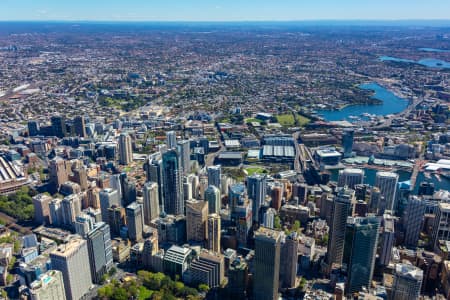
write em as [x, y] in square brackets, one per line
[108, 198]
[115, 183]
[214, 233]
[350, 177]
[441, 229]
[171, 140]
[257, 189]
[237, 279]
[125, 150]
[413, 220]
[79, 126]
[185, 155]
[41, 208]
[266, 264]
[361, 240]
[54, 206]
[134, 221]
[347, 142]
[172, 187]
[49, 285]
[129, 192]
[212, 196]
[407, 282]
[387, 239]
[100, 250]
[72, 260]
[151, 202]
[269, 218]
[387, 183]
[58, 126]
[342, 209]
[289, 260]
[57, 172]
[71, 208]
[153, 168]
[116, 219]
[196, 220]
[214, 175]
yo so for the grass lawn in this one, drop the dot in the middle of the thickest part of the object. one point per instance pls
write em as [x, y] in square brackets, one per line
[288, 120]
[255, 170]
[144, 293]
[253, 120]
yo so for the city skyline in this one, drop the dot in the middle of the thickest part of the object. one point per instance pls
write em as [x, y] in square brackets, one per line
[202, 10]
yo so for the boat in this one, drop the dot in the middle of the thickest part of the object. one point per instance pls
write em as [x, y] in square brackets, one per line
[427, 175]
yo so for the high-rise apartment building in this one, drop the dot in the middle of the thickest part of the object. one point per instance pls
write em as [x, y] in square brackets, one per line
[125, 149]
[196, 220]
[151, 202]
[72, 260]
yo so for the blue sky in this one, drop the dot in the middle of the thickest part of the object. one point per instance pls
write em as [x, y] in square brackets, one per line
[223, 10]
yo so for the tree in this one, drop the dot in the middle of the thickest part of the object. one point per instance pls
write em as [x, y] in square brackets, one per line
[296, 226]
[277, 223]
[203, 288]
[112, 271]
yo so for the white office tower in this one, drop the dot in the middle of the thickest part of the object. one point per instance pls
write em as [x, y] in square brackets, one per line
[171, 140]
[125, 150]
[71, 208]
[151, 202]
[215, 176]
[407, 282]
[269, 218]
[72, 260]
[387, 183]
[212, 195]
[49, 285]
[350, 177]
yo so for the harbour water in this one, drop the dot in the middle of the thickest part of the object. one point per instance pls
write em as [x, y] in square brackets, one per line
[427, 62]
[433, 50]
[369, 178]
[391, 105]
